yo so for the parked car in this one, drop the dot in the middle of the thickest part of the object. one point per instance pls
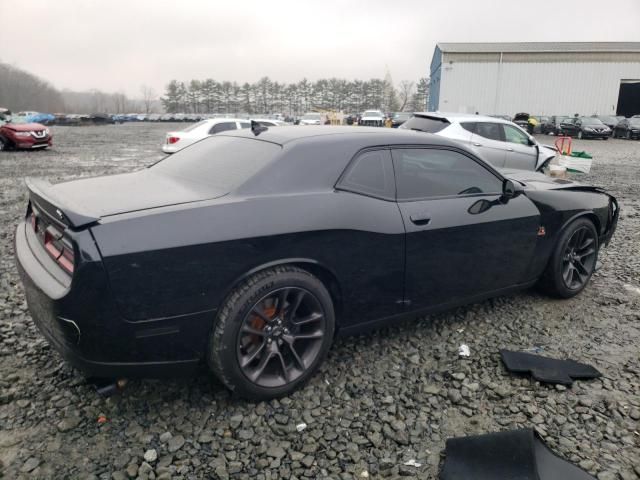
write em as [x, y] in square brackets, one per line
[585, 127]
[16, 132]
[267, 122]
[398, 118]
[628, 128]
[540, 119]
[372, 118]
[609, 120]
[499, 142]
[311, 119]
[248, 250]
[552, 125]
[177, 140]
[522, 120]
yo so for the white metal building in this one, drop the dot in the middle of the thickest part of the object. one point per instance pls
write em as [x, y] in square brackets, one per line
[539, 78]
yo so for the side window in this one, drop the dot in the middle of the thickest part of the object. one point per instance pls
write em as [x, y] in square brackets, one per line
[245, 125]
[426, 173]
[489, 130]
[371, 173]
[469, 126]
[222, 127]
[513, 135]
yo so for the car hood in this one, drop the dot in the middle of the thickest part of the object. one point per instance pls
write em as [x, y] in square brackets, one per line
[24, 127]
[539, 181]
[130, 192]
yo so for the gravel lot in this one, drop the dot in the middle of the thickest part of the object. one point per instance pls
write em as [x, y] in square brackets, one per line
[379, 401]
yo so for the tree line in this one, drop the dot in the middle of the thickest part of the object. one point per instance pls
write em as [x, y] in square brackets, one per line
[21, 90]
[268, 96]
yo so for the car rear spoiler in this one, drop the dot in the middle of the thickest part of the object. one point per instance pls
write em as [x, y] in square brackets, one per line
[61, 210]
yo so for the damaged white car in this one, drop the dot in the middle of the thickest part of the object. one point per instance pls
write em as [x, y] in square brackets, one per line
[500, 142]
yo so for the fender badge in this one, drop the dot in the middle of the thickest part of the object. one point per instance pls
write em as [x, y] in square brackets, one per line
[541, 231]
[59, 213]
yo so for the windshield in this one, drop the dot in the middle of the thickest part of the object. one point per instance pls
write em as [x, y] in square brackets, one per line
[608, 119]
[221, 162]
[591, 121]
[17, 120]
[372, 113]
[311, 116]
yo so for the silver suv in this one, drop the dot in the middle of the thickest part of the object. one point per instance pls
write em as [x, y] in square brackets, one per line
[499, 142]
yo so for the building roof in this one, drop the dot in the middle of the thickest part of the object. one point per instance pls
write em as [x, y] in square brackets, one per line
[536, 47]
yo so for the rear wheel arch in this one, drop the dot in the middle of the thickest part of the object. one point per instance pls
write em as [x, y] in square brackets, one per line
[323, 273]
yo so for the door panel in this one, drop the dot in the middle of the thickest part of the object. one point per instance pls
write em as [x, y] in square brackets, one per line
[519, 153]
[487, 142]
[462, 239]
[459, 254]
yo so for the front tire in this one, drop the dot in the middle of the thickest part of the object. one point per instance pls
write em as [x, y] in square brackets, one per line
[4, 144]
[272, 333]
[573, 260]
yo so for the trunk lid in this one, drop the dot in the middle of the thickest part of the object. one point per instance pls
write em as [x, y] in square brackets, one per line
[78, 203]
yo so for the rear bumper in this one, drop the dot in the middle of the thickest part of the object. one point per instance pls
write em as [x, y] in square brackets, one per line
[166, 148]
[92, 337]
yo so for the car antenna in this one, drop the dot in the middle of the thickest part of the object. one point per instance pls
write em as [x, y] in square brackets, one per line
[257, 128]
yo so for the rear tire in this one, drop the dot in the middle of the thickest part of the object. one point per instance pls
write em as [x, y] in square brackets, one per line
[4, 144]
[573, 260]
[272, 333]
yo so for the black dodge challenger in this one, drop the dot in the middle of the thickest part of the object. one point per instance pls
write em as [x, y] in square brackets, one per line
[251, 250]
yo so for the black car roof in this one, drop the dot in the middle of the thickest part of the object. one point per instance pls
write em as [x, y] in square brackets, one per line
[370, 135]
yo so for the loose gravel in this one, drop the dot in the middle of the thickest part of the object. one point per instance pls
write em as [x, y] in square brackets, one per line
[382, 405]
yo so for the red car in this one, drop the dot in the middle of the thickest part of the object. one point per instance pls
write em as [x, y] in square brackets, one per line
[16, 134]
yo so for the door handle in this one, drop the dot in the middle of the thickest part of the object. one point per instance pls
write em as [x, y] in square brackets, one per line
[509, 149]
[420, 218]
[478, 144]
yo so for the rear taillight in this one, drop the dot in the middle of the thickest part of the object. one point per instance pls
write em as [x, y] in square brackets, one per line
[172, 140]
[59, 249]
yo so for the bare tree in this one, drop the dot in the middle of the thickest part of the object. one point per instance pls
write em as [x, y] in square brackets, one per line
[405, 92]
[148, 97]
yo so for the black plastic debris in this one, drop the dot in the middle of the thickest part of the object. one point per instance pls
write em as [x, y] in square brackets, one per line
[547, 370]
[515, 454]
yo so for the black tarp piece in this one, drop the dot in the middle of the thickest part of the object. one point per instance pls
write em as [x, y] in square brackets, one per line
[547, 370]
[510, 455]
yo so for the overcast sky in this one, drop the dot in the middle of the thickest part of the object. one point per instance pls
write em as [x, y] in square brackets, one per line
[117, 45]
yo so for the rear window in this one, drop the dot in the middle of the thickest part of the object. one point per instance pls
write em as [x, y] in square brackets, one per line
[425, 124]
[221, 162]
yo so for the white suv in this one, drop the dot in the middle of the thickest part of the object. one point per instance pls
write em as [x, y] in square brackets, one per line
[499, 142]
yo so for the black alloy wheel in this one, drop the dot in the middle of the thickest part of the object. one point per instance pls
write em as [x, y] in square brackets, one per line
[579, 258]
[281, 336]
[272, 333]
[572, 261]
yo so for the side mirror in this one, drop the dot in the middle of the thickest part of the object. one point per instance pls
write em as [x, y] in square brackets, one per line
[510, 189]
